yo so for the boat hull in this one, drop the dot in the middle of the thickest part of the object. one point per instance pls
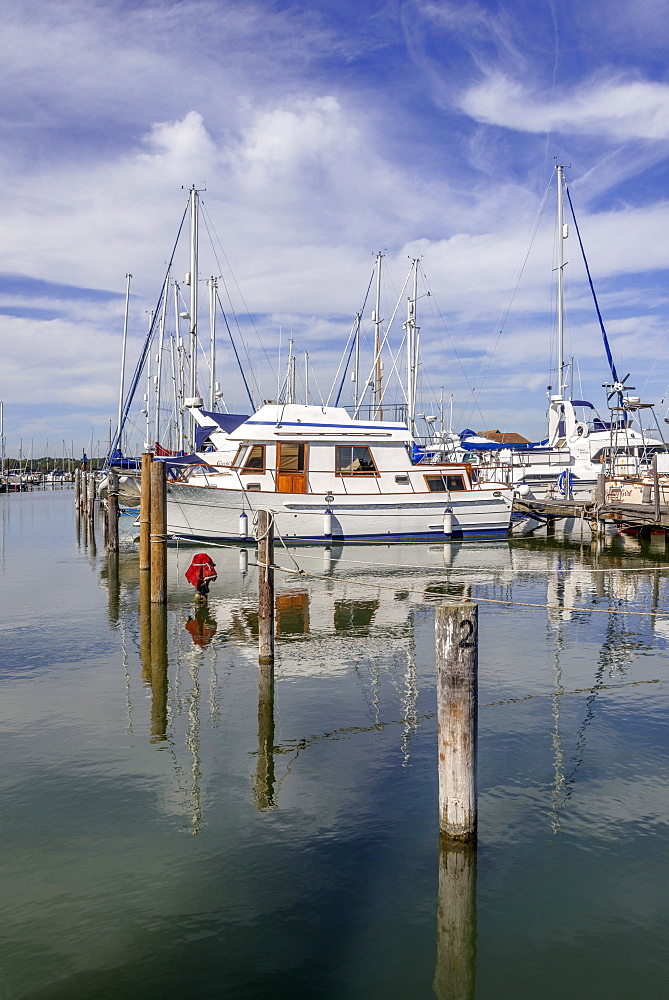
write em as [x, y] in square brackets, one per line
[201, 513]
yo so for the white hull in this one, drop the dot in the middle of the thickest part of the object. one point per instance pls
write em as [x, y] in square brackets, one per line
[202, 513]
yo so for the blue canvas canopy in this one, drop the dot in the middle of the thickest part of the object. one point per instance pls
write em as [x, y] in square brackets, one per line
[480, 445]
[227, 422]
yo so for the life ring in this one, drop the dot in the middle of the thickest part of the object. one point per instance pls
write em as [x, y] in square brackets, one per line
[580, 430]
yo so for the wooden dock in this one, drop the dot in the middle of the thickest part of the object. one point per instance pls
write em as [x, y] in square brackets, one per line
[626, 515]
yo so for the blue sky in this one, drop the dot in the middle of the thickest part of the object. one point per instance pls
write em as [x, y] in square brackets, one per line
[324, 132]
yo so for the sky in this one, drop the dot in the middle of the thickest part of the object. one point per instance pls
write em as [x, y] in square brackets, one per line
[319, 134]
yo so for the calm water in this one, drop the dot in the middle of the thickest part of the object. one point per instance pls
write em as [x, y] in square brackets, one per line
[169, 830]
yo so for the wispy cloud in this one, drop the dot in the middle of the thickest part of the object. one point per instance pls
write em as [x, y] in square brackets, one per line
[616, 109]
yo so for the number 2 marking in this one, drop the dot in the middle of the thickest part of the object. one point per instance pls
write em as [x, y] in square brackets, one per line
[465, 641]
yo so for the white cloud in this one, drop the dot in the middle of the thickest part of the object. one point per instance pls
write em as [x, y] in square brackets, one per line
[620, 110]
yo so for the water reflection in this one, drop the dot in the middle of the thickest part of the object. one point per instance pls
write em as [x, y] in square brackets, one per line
[263, 784]
[159, 662]
[455, 972]
[201, 626]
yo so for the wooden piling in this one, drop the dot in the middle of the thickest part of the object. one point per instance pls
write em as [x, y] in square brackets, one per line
[656, 490]
[83, 496]
[77, 489]
[90, 509]
[112, 512]
[145, 512]
[158, 533]
[265, 587]
[600, 494]
[457, 710]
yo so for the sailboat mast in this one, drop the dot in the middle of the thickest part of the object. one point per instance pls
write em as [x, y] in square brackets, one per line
[193, 278]
[378, 415]
[411, 330]
[560, 277]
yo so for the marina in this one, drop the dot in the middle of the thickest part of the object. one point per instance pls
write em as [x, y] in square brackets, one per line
[175, 825]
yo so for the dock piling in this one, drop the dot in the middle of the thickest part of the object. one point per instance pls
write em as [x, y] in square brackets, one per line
[145, 512]
[158, 533]
[265, 587]
[457, 710]
[656, 490]
[112, 512]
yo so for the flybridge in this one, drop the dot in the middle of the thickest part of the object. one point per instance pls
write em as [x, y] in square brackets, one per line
[296, 420]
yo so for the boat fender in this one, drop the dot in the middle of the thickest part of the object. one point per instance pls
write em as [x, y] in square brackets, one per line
[201, 572]
[448, 521]
[327, 523]
[580, 430]
[243, 525]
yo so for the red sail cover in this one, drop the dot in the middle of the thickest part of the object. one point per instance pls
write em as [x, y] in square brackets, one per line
[201, 570]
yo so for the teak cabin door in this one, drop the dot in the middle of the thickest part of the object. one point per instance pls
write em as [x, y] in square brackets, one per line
[291, 467]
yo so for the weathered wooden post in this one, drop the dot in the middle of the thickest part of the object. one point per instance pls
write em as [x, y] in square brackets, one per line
[158, 533]
[145, 512]
[91, 495]
[455, 972]
[77, 489]
[601, 488]
[656, 490]
[457, 710]
[265, 587]
[112, 512]
[83, 495]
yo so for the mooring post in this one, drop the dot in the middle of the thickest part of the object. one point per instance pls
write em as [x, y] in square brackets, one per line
[158, 533]
[145, 512]
[601, 488]
[265, 586]
[83, 491]
[112, 512]
[656, 490]
[77, 489]
[92, 485]
[457, 710]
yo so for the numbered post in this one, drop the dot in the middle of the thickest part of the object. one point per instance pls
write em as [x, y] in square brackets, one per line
[457, 711]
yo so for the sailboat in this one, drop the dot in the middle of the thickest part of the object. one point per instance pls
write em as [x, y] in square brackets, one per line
[580, 444]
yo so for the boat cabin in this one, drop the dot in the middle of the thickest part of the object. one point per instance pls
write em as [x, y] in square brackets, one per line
[295, 448]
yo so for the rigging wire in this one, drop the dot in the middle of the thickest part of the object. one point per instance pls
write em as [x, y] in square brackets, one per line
[206, 216]
[488, 359]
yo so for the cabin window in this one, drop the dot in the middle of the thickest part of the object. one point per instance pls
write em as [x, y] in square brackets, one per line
[237, 460]
[354, 460]
[445, 484]
[291, 457]
[255, 461]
